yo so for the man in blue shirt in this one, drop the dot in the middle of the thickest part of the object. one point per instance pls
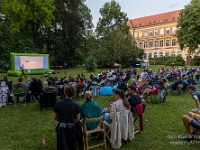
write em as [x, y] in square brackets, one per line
[190, 121]
[196, 96]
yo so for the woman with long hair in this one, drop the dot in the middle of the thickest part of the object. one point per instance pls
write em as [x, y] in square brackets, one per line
[121, 103]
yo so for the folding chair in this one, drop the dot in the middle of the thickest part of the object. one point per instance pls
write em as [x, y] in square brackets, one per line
[94, 88]
[135, 118]
[100, 128]
[17, 93]
[126, 128]
[79, 88]
[160, 97]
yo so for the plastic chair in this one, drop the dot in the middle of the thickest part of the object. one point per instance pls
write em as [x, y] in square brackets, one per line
[19, 92]
[100, 128]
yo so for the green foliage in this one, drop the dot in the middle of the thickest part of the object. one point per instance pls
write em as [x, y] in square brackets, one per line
[24, 42]
[115, 44]
[195, 61]
[6, 38]
[34, 12]
[90, 64]
[112, 18]
[66, 38]
[178, 61]
[189, 26]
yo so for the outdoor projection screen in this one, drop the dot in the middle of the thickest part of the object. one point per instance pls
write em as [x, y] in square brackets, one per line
[31, 63]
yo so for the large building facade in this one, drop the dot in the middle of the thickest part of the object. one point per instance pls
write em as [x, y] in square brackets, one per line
[156, 34]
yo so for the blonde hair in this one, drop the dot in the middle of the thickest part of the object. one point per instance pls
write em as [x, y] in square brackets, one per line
[88, 95]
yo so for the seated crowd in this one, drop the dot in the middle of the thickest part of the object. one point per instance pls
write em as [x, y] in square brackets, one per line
[126, 96]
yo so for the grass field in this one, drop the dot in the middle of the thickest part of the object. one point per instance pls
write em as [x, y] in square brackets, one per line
[24, 127]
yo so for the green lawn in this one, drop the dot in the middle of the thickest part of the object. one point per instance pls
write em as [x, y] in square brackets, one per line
[24, 127]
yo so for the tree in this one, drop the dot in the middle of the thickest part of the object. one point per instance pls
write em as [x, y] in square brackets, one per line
[33, 13]
[66, 37]
[6, 38]
[112, 18]
[116, 47]
[189, 26]
[30, 17]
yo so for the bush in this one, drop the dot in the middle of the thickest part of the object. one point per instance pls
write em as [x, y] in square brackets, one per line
[195, 61]
[178, 61]
[90, 64]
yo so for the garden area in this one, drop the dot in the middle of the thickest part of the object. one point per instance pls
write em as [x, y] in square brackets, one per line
[24, 126]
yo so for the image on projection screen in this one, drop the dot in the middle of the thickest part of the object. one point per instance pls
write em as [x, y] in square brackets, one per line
[31, 62]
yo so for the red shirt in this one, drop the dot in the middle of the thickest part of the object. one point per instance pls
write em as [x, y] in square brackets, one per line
[155, 91]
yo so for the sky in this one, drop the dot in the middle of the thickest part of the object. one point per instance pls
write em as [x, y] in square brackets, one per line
[137, 8]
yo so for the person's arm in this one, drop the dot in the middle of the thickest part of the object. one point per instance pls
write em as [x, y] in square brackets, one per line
[78, 117]
[112, 111]
[55, 117]
[197, 102]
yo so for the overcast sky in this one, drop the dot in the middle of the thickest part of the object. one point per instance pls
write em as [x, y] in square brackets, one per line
[137, 8]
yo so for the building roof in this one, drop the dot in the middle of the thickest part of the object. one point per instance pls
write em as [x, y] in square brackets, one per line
[154, 19]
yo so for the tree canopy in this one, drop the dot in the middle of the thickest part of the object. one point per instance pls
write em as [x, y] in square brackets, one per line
[189, 26]
[111, 18]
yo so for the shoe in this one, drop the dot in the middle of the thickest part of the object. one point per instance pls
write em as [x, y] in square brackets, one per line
[194, 134]
[188, 139]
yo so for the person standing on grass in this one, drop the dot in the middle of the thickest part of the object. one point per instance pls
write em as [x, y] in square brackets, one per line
[196, 96]
[69, 129]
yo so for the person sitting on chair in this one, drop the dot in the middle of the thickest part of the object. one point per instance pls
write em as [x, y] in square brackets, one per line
[121, 103]
[90, 109]
[133, 98]
[176, 83]
[122, 85]
[81, 86]
[22, 85]
[35, 87]
[50, 88]
[154, 90]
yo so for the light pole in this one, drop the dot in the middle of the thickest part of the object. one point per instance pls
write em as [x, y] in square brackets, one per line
[65, 65]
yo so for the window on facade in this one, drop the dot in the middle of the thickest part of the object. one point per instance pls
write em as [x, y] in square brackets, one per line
[161, 43]
[150, 55]
[161, 54]
[180, 53]
[140, 45]
[150, 44]
[167, 42]
[167, 54]
[156, 44]
[161, 31]
[145, 33]
[135, 44]
[156, 32]
[155, 54]
[140, 34]
[150, 32]
[167, 30]
[174, 30]
[173, 53]
[135, 34]
[145, 44]
[173, 42]
[145, 55]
